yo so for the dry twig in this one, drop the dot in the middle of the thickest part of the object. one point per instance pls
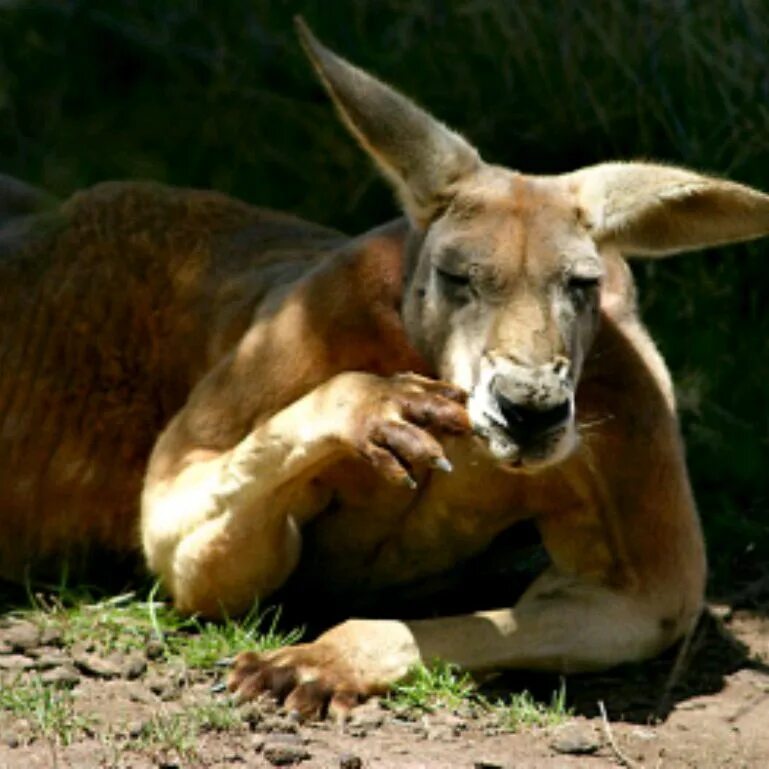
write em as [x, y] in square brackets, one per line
[623, 759]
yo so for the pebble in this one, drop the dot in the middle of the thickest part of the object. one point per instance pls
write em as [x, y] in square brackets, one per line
[22, 636]
[367, 716]
[98, 667]
[441, 733]
[575, 740]
[252, 715]
[15, 662]
[138, 728]
[165, 688]
[141, 695]
[11, 740]
[257, 742]
[135, 666]
[64, 676]
[154, 649]
[278, 725]
[284, 752]
[51, 636]
[350, 761]
[45, 659]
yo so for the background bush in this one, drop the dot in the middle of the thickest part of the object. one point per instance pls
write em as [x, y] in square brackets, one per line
[218, 95]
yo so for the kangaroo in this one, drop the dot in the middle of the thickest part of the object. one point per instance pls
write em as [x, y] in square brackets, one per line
[210, 381]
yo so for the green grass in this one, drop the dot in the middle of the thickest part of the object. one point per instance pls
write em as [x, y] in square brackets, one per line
[444, 686]
[178, 732]
[127, 622]
[427, 688]
[219, 95]
[50, 711]
[522, 710]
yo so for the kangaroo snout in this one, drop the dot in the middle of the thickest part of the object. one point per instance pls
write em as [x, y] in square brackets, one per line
[533, 400]
[525, 413]
[525, 422]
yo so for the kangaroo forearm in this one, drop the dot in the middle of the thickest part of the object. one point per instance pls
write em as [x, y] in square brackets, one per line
[221, 569]
[227, 522]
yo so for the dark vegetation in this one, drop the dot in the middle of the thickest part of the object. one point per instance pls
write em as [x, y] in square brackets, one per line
[219, 95]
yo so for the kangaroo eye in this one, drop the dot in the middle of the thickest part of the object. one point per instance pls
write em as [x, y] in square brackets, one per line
[452, 279]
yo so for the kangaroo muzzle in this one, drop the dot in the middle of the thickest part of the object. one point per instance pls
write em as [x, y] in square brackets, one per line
[524, 414]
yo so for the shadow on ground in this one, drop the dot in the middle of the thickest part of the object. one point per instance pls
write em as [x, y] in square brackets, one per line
[641, 693]
[647, 693]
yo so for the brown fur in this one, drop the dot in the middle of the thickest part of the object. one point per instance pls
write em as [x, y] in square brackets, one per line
[243, 373]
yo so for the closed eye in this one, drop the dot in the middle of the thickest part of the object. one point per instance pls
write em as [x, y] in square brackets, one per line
[453, 279]
[583, 282]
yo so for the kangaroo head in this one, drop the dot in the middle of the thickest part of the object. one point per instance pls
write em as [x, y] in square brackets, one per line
[504, 270]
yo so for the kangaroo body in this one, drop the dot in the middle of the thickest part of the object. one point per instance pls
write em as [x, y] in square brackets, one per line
[245, 396]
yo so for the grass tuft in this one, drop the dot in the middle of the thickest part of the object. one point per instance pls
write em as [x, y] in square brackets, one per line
[443, 685]
[49, 711]
[440, 685]
[126, 623]
[178, 732]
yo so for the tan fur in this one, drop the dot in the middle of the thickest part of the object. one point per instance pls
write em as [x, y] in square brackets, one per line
[243, 373]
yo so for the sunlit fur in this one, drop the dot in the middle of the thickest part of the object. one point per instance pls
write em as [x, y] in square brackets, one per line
[199, 379]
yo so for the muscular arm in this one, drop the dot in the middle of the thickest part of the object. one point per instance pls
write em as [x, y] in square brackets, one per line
[223, 528]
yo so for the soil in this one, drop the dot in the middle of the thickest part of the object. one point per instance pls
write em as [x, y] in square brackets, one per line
[704, 706]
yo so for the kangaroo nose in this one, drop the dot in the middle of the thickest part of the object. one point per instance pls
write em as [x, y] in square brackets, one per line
[524, 422]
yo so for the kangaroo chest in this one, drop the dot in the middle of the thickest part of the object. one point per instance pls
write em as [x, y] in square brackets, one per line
[372, 535]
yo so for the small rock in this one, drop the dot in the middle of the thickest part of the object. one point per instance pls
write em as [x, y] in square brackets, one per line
[441, 733]
[141, 695]
[284, 753]
[134, 667]
[487, 765]
[156, 684]
[294, 716]
[64, 676]
[99, 667]
[11, 740]
[51, 636]
[154, 649]
[22, 636]
[165, 688]
[455, 723]
[15, 662]
[257, 743]
[368, 716]
[5, 648]
[45, 659]
[278, 725]
[350, 761]
[575, 740]
[171, 693]
[467, 711]
[251, 714]
[135, 729]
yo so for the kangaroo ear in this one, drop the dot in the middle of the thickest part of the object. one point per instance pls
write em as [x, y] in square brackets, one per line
[655, 210]
[421, 157]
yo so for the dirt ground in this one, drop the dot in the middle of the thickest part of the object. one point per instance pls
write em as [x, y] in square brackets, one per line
[136, 710]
